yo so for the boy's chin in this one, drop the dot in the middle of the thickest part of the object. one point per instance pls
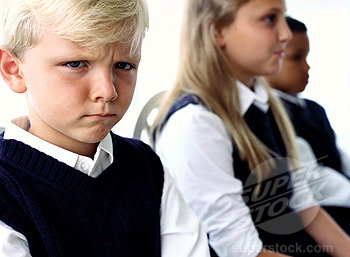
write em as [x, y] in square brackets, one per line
[92, 138]
[297, 90]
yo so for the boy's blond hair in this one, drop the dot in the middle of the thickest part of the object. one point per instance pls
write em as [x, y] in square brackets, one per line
[89, 23]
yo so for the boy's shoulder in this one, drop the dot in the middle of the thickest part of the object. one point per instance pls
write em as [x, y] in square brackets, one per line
[314, 105]
[131, 144]
[135, 154]
[135, 149]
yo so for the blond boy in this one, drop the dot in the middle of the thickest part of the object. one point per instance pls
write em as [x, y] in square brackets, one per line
[68, 186]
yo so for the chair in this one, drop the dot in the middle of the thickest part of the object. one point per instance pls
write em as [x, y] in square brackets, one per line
[146, 118]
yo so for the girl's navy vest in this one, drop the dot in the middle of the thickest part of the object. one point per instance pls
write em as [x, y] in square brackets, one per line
[269, 208]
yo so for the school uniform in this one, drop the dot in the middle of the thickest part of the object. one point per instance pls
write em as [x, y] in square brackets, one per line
[121, 203]
[311, 123]
[199, 153]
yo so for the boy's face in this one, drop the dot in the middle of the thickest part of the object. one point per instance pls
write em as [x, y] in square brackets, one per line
[294, 75]
[75, 96]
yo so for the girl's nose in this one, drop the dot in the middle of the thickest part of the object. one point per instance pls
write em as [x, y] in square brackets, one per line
[285, 34]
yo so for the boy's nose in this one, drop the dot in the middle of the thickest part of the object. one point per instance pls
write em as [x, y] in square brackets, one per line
[306, 66]
[104, 88]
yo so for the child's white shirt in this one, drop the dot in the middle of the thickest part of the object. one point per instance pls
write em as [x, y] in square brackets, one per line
[205, 176]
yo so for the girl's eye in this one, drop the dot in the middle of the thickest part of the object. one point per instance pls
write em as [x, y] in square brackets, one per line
[123, 66]
[75, 64]
[270, 18]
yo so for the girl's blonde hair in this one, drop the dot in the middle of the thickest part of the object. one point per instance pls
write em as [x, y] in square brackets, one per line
[89, 23]
[204, 71]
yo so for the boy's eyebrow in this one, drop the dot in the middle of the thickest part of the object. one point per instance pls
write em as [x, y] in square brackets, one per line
[126, 54]
[135, 58]
[87, 55]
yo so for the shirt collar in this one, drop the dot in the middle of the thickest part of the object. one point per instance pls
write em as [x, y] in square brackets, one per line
[17, 129]
[258, 97]
[294, 99]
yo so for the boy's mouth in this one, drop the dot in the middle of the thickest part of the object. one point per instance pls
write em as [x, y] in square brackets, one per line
[101, 116]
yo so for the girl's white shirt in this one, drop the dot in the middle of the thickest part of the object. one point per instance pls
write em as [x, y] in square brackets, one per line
[197, 149]
[179, 225]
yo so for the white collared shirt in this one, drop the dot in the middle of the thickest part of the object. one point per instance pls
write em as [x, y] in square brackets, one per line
[92, 167]
[258, 97]
[197, 149]
[179, 225]
[294, 99]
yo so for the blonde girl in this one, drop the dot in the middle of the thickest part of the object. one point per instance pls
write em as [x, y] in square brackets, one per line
[226, 139]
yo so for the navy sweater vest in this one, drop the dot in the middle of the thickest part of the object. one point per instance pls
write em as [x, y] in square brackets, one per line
[271, 227]
[63, 212]
[311, 123]
[264, 127]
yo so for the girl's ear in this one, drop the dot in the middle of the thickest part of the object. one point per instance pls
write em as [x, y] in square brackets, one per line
[219, 36]
[10, 70]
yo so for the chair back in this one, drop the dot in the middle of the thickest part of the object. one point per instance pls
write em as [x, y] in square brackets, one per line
[147, 115]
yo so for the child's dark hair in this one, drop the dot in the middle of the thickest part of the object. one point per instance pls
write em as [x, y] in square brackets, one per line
[295, 25]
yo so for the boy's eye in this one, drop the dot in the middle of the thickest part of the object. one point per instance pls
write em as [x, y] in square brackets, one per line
[296, 57]
[75, 64]
[123, 66]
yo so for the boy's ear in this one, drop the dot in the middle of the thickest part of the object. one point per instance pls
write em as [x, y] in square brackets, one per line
[10, 71]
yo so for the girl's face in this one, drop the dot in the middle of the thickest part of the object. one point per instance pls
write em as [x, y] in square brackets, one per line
[254, 42]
